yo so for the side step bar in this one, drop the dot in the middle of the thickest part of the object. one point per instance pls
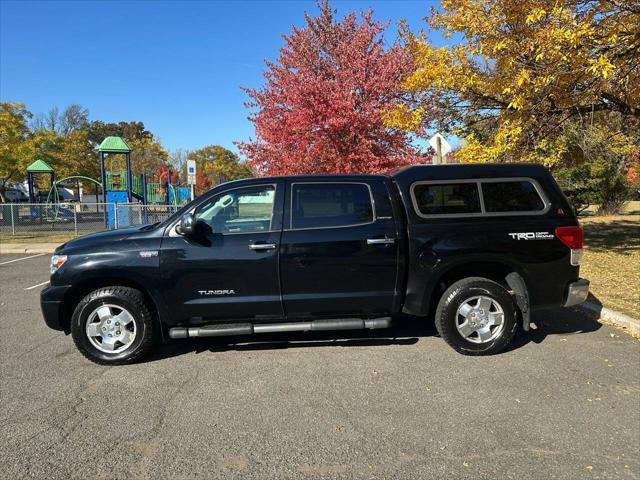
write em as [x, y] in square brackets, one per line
[249, 328]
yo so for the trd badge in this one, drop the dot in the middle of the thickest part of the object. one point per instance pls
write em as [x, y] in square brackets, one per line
[532, 236]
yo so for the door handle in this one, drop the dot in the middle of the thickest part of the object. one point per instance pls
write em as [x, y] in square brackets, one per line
[381, 241]
[262, 246]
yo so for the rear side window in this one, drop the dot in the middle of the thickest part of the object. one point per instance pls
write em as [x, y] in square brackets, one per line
[511, 196]
[446, 198]
[318, 205]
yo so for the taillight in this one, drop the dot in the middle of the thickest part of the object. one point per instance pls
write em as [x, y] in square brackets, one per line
[572, 237]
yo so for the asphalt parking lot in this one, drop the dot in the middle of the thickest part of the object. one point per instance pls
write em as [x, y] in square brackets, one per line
[563, 403]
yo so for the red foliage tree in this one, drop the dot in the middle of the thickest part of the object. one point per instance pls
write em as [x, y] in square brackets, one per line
[321, 108]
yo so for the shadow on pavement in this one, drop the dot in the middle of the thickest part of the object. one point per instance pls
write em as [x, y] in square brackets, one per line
[406, 331]
[558, 321]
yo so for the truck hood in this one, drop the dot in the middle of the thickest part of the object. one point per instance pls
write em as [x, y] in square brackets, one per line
[95, 240]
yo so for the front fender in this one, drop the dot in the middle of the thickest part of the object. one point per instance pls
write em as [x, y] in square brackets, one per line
[137, 269]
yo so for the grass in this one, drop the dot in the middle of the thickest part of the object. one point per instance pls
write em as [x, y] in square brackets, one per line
[611, 261]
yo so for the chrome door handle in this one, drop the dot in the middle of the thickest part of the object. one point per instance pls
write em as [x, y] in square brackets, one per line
[381, 241]
[262, 246]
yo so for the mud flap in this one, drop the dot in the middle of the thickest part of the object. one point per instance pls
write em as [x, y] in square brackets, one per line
[519, 288]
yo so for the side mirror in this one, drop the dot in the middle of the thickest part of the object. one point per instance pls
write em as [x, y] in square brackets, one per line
[187, 224]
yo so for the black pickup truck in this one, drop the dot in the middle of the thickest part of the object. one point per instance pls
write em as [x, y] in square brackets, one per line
[478, 247]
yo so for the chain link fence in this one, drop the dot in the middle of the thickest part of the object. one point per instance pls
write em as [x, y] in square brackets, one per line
[75, 219]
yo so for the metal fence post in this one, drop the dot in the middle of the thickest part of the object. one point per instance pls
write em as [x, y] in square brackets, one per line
[115, 215]
[140, 214]
[13, 222]
[75, 221]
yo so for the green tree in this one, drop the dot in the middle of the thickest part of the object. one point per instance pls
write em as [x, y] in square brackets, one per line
[215, 165]
[593, 163]
[17, 149]
[78, 156]
[147, 153]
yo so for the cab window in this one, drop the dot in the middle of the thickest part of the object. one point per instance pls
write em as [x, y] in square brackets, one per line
[242, 210]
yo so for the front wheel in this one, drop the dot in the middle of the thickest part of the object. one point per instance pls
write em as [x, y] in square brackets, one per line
[113, 326]
[476, 316]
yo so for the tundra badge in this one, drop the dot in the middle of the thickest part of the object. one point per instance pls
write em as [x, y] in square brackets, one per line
[207, 293]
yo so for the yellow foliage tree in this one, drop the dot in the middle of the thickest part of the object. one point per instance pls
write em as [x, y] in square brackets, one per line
[16, 148]
[521, 69]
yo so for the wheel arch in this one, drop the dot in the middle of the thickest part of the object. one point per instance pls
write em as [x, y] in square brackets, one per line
[82, 288]
[503, 273]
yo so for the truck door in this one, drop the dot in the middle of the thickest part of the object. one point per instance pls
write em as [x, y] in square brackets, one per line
[339, 250]
[229, 269]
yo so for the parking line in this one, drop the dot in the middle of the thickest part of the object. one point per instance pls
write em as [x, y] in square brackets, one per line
[36, 286]
[23, 258]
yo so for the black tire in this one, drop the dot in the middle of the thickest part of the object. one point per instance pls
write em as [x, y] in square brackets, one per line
[447, 315]
[128, 298]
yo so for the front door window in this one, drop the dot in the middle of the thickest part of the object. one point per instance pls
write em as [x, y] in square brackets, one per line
[243, 210]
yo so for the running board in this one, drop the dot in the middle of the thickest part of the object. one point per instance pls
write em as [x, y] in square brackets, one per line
[221, 330]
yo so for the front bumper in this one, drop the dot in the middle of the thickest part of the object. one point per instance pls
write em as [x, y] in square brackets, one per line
[51, 305]
[577, 292]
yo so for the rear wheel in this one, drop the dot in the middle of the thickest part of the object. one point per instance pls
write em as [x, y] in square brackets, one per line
[113, 326]
[476, 316]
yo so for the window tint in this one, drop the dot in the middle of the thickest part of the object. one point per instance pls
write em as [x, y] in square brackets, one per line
[446, 198]
[511, 196]
[330, 205]
[244, 210]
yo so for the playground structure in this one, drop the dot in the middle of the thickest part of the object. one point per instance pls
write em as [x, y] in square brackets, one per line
[119, 190]
[123, 187]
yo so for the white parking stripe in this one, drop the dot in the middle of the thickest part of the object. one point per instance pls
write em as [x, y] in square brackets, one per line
[23, 258]
[36, 286]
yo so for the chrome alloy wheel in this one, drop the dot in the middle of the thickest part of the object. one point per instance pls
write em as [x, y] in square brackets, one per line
[480, 319]
[111, 328]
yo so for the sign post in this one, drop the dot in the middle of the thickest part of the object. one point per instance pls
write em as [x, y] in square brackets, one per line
[191, 176]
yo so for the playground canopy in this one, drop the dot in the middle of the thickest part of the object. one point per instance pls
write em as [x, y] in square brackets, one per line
[114, 145]
[39, 166]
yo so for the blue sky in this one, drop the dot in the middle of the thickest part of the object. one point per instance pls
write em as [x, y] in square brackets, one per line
[176, 66]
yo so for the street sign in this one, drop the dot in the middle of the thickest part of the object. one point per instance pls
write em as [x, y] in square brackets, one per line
[441, 146]
[445, 147]
[191, 172]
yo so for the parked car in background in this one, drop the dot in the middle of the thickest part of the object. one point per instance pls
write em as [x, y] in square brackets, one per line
[14, 195]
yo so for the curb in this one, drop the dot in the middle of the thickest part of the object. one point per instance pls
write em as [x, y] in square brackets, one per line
[630, 324]
[27, 248]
